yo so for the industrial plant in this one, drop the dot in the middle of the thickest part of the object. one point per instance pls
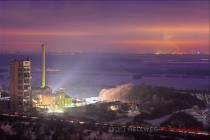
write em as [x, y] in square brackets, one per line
[23, 96]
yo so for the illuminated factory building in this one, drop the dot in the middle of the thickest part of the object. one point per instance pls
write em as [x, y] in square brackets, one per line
[43, 96]
[20, 77]
[22, 96]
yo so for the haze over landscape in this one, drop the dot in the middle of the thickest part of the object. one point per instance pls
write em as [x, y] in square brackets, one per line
[84, 75]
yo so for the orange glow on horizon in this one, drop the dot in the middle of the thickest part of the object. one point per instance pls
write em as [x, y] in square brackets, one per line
[173, 29]
[162, 42]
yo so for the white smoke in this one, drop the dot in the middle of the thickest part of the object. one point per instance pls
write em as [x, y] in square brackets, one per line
[115, 94]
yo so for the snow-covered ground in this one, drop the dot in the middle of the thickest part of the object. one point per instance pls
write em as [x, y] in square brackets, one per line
[157, 122]
[122, 121]
[105, 136]
[193, 112]
[6, 128]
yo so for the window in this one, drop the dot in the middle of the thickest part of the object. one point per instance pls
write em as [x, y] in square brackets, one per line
[20, 93]
[20, 97]
[20, 74]
[20, 103]
[20, 81]
[26, 87]
[53, 97]
[26, 93]
[60, 97]
[26, 81]
[26, 103]
[20, 87]
[26, 62]
[26, 74]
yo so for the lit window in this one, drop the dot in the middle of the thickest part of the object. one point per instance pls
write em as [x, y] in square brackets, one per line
[53, 97]
[58, 102]
[60, 97]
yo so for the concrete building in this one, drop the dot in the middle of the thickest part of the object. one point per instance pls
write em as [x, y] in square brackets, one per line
[4, 105]
[20, 77]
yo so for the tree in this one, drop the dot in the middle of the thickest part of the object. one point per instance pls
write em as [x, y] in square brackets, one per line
[47, 133]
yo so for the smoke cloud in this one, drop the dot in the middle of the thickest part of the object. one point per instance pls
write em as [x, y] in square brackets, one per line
[115, 94]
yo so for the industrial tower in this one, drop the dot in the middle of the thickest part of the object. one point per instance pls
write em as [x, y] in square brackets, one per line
[43, 66]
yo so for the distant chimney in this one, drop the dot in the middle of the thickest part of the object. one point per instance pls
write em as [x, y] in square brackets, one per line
[43, 66]
[27, 59]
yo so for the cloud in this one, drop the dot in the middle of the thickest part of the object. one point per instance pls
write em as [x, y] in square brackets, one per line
[44, 33]
[104, 26]
[167, 36]
[171, 29]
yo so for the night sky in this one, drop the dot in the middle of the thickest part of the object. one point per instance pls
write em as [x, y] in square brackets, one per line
[101, 26]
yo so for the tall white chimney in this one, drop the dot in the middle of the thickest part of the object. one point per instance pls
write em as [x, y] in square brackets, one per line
[43, 66]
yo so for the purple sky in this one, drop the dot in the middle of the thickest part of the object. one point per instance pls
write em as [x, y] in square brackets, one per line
[119, 26]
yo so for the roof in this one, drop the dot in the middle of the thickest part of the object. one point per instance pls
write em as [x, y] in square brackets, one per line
[54, 94]
[61, 92]
[39, 88]
[66, 96]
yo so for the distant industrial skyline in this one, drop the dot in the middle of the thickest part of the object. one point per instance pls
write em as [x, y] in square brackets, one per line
[101, 26]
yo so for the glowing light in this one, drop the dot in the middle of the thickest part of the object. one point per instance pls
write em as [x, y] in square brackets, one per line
[59, 111]
[162, 42]
[55, 111]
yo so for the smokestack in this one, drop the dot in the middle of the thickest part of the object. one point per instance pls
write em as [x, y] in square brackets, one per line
[43, 66]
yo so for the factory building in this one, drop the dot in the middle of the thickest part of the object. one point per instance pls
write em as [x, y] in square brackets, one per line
[57, 100]
[22, 96]
[45, 98]
[37, 94]
[4, 105]
[20, 77]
